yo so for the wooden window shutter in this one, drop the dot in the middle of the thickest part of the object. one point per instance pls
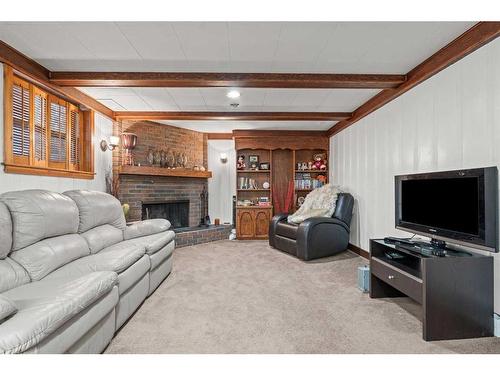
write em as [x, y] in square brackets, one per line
[21, 109]
[39, 128]
[75, 134]
[58, 133]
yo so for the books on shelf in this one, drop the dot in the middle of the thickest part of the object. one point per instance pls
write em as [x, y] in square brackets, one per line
[304, 181]
[245, 183]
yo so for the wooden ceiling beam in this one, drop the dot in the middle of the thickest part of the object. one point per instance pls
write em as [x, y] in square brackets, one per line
[255, 80]
[234, 116]
[474, 38]
[219, 136]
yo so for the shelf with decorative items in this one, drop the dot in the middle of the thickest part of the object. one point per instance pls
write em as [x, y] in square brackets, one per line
[311, 172]
[253, 193]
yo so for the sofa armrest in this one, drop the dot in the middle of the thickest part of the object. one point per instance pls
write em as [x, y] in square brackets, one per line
[321, 236]
[146, 228]
[272, 227]
[7, 309]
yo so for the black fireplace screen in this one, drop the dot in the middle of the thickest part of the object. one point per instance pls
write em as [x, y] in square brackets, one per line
[177, 212]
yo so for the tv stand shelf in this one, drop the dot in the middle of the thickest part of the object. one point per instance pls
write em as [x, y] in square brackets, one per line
[455, 291]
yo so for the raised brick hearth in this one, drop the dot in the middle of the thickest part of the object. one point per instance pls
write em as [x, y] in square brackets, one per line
[196, 236]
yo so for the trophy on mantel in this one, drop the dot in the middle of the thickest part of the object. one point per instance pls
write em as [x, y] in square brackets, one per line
[129, 141]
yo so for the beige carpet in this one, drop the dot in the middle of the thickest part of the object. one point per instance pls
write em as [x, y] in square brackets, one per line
[244, 297]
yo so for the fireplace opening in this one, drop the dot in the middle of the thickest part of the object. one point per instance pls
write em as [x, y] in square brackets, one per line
[177, 212]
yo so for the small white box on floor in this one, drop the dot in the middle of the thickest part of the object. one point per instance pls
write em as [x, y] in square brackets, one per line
[364, 278]
[497, 324]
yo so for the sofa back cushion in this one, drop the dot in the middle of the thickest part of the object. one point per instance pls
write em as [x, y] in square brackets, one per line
[12, 275]
[97, 208]
[5, 231]
[47, 255]
[39, 214]
[102, 236]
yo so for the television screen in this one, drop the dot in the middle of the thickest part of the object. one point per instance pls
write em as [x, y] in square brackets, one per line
[454, 202]
[454, 206]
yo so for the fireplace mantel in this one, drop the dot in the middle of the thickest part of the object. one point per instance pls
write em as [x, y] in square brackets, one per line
[157, 171]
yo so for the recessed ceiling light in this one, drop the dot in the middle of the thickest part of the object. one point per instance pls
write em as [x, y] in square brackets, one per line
[233, 94]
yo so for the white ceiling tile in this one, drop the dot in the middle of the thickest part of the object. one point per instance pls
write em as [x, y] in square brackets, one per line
[203, 42]
[153, 40]
[253, 42]
[103, 39]
[132, 103]
[186, 98]
[334, 47]
[310, 98]
[111, 104]
[47, 40]
[300, 43]
[158, 99]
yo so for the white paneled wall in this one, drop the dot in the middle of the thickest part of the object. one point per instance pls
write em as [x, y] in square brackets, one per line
[451, 121]
[103, 162]
[222, 185]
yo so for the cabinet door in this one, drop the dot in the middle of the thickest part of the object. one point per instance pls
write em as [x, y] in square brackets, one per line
[245, 224]
[262, 218]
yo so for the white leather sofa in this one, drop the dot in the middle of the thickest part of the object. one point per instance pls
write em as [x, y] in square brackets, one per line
[71, 271]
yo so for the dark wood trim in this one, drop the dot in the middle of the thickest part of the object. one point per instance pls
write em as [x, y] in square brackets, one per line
[257, 80]
[157, 171]
[357, 250]
[474, 38]
[23, 63]
[47, 171]
[233, 116]
[277, 133]
[219, 136]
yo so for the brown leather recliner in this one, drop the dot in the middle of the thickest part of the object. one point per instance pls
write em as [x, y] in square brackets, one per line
[316, 237]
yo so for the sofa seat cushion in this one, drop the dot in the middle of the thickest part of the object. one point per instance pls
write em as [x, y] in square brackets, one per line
[116, 258]
[287, 230]
[44, 306]
[146, 228]
[12, 275]
[154, 242]
[7, 308]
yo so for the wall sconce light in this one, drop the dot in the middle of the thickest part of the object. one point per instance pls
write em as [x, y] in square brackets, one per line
[114, 141]
[223, 158]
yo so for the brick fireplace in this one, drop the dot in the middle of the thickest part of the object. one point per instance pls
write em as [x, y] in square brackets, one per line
[139, 189]
[136, 190]
[150, 195]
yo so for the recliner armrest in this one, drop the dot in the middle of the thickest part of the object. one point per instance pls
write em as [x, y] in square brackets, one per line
[312, 221]
[272, 227]
[321, 236]
[146, 228]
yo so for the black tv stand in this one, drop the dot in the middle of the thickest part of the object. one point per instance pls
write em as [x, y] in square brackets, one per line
[455, 290]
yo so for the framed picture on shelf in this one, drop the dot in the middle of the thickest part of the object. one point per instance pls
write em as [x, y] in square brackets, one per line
[264, 166]
[253, 159]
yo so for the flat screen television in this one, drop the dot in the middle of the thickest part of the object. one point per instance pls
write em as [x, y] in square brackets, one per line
[455, 206]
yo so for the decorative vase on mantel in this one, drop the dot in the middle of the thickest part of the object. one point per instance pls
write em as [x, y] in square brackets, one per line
[170, 159]
[150, 157]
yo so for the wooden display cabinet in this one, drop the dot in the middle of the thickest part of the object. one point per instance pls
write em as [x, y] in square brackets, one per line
[252, 223]
[282, 150]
